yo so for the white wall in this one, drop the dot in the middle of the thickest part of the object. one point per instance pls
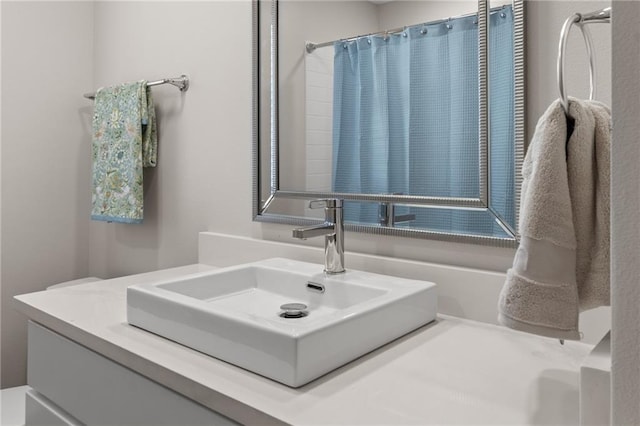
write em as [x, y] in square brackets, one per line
[544, 21]
[203, 177]
[625, 175]
[46, 67]
[397, 14]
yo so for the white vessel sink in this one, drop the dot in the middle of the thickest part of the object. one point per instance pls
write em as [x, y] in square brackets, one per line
[234, 314]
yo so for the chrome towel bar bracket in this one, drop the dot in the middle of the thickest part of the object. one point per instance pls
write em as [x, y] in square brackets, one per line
[182, 83]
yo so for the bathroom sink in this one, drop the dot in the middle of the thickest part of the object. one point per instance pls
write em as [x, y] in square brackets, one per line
[280, 318]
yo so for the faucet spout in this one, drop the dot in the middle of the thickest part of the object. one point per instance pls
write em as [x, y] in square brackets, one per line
[333, 231]
[314, 231]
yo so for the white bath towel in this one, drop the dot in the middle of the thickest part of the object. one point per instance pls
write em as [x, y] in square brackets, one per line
[562, 264]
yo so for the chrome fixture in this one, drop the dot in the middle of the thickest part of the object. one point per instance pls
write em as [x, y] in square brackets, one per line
[294, 310]
[317, 287]
[333, 231]
[580, 20]
[387, 215]
[311, 46]
[181, 83]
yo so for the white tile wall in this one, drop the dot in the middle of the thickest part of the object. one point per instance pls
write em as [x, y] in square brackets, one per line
[319, 120]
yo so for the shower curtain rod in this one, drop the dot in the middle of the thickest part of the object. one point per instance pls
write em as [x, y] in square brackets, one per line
[181, 83]
[311, 46]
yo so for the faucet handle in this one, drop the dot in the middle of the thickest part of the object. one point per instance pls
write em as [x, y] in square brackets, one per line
[328, 203]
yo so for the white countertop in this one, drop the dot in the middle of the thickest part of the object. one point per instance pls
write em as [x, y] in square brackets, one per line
[452, 371]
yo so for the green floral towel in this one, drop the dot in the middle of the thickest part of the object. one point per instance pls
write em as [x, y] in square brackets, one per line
[124, 141]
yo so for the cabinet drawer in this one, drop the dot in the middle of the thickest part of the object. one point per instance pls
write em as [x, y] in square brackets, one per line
[96, 390]
[40, 411]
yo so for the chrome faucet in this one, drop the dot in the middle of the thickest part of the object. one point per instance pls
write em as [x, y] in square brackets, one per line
[387, 215]
[333, 231]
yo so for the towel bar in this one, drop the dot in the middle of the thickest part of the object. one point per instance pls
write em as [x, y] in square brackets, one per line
[181, 83]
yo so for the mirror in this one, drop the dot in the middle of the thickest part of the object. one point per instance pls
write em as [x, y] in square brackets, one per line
[411, 111]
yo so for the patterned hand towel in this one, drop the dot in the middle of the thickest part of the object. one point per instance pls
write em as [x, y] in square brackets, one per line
[124, 141]
[562, 264]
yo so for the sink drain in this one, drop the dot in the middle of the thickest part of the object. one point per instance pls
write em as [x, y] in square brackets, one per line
[294, 310]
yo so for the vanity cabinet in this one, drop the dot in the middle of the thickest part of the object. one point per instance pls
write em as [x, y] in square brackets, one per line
[94, 368]
[74, 385]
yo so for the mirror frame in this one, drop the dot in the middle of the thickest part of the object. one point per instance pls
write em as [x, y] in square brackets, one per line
[482, 203]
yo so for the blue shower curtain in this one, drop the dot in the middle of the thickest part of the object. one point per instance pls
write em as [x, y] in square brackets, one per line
[371, 119]
[427, 146]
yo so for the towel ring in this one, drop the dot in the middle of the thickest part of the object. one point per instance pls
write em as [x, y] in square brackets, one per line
[576, 19]
[580, 20]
